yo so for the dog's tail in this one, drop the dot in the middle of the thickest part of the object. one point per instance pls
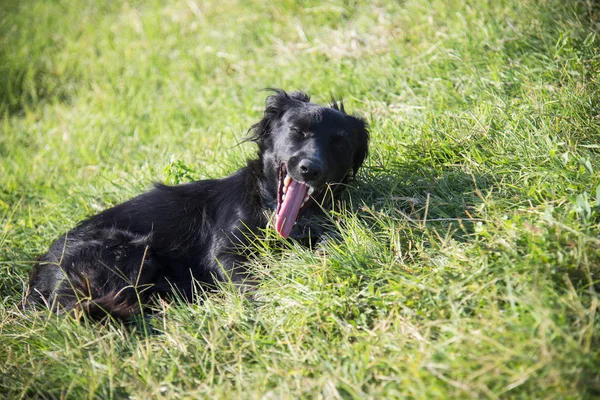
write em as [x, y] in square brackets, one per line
[111, 305]
[119, 304]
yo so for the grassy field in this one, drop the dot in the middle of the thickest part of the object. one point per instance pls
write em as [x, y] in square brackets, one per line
[469, 263]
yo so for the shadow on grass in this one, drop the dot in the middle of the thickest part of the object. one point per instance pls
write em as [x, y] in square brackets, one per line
[424, 195]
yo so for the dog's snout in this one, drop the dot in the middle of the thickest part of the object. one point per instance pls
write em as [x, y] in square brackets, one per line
[310, 169]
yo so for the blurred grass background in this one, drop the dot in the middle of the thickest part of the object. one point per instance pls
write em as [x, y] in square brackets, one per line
[470, 255]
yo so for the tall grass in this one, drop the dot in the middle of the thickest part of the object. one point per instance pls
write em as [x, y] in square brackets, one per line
[469, 249]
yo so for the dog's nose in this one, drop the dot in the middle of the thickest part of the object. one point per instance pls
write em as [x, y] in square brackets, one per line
[310, 169]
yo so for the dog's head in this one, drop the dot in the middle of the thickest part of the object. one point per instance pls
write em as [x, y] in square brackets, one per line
[306, 148]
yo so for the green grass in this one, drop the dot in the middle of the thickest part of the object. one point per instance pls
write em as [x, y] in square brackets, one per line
[470, 255]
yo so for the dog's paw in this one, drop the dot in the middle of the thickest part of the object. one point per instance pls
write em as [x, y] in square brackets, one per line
[307, 229]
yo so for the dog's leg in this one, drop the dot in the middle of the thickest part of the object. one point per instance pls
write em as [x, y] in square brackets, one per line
[233, 268]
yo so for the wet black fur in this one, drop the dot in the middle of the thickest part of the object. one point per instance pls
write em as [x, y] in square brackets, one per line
[164, 240]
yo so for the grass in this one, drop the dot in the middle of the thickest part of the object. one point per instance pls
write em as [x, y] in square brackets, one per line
[470, 251]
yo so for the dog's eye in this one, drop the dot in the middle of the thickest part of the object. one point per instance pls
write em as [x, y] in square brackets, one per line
[299, 132]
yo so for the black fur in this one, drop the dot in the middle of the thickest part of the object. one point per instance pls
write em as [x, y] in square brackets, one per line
[164, 240]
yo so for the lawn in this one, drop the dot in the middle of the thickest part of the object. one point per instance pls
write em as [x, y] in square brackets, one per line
[468, 263]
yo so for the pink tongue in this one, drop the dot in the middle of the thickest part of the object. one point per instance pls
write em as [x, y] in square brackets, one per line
[290, 207]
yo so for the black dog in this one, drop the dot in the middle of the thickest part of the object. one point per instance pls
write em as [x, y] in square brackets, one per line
[165, 240]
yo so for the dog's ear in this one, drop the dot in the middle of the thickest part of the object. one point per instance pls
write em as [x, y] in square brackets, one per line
[362, 143]
[275, 105]
[300, 96]
[361, 135]
[337, 104]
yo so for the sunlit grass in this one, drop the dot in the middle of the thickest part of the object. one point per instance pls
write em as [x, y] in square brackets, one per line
[469, 251]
